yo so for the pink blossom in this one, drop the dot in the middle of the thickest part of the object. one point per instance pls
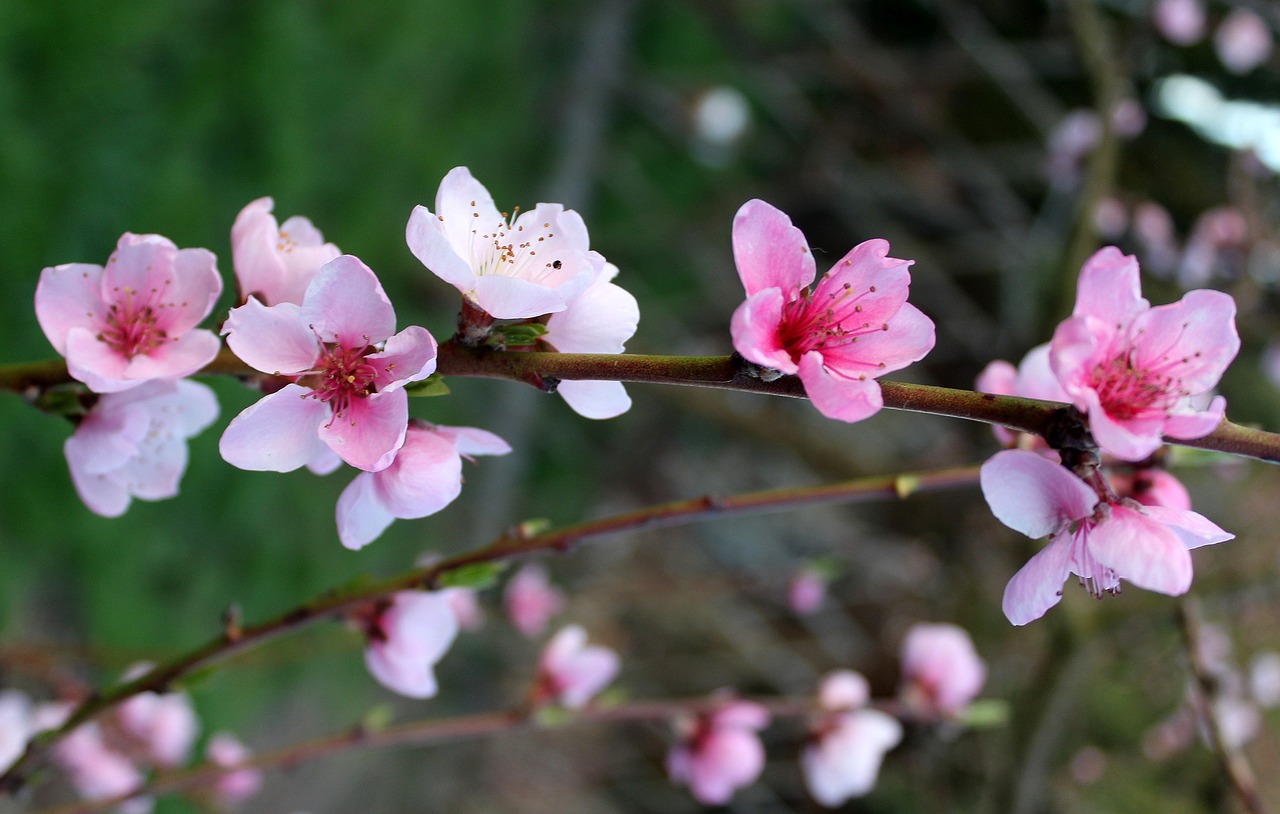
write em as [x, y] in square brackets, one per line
[719, 751]
[98, 771]
[1137, 370]
[134, 443]
[941, 670]
[806, 590]
[350, 372]
[1031, 379]
[16, 726]
[1181, 22]
[570, 672]
[132, 321]
[514, 267]
[425, 476]
[407, 638]
[163, 725]
[1101, 542]
[225, 750]
[1243, 41]
[599, 320]
[848, 742]
[530, 600]
[853, 326]
[275, 263]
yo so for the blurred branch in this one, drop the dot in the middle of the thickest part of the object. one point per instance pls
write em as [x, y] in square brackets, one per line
[519, 542]
[1231, 759]
[432, 731]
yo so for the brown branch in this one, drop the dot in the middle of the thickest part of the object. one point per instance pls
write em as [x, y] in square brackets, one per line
[517, 543]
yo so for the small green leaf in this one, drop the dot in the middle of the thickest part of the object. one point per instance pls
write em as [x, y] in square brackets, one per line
[476, 576]
[516, 336]
[433, 385]
[985, 713]
[552, 716]
[532, 528]
[377, 718]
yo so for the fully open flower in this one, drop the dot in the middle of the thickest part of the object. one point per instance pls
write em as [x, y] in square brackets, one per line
[406, 639]
[132, 321]
[599, 320]
[134, 444]
[349, 373]
[1138, 371]
[941, 670]
[509, 267]
[570, 672]
[719, 751]
[853, 326]
[848, 742]
[275, 263]
[1101, 542]
[425, 476]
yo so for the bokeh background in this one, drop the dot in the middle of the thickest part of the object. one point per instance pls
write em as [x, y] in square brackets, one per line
[973, 135]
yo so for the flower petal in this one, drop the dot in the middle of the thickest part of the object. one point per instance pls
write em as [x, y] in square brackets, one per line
[1142, 550]
[370, 431]
[409, 356]
[345, 303]
[361, 517]
[1192, 340]
[425, 476]
[600, 320]
[769, 251]
[1109, 288]
[1033, 495]
[755, 328]
[837, 396]
[278, 433]
[513, 298]
[425, 233]
[1193, 528]
[1038, 585]
[272, 339]
[595, 399]
[69, 296]
[171, 360]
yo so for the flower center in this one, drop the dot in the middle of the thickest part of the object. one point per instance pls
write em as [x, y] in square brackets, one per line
[827, 318]
[1127, 391]
[507, 248]
[341, 376]
[132, 326]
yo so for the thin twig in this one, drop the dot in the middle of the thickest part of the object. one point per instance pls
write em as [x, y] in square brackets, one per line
[517, 543]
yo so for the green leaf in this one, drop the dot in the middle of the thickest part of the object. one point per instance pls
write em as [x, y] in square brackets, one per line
[433, 385]
[985, 713]
[476, 576]
[377, 718]
[515, 336]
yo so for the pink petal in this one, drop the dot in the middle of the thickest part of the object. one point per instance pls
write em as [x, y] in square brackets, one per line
[69, 296]
[419, 629]
[368, 434]
[360, 515]
[425, 476]
[1109, 288]
[600, 320]
[1033, 495]
[189, 290]
[95, 363]
[463, 205]
[1036, 379]
[1193, 339]
[1195, 530]
[997, 378]
[878, 282]
[755, 327]
[909, 339]
[727, 761]
[429, 242]
[409, 356]
[836, 396]
[1142, 550]
[471, 441]
[1038, 585]
[769, 251]
[139, 263]
[276, 434]
[102, 493]
[273, 339]
[345, 303]
[183, 356]
[513, 298]
[843, 690]
[1129, 440]
[596, 400]
[1188, 426]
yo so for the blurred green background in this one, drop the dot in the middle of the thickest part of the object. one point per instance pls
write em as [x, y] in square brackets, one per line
[923, 121]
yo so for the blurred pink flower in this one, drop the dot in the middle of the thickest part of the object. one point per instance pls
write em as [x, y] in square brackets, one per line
[1243, 40]
[719, 751]
[1137, 370]
[848, 742]
[530, 600]
[806, 590]
[513, 267]
[599, 320]
[163, 725]
[225, 750]
[1100, 542]
[853, 326]
[1216, 235]
[941, 670]
[98, 771]
[424, 477]
[406, 639]
[466, 608]
[16, 726]
[570, 672]
[275, 263]
[133, 321]
[350, 374]
[1157, 237]
[134, 444]
[1181, 22]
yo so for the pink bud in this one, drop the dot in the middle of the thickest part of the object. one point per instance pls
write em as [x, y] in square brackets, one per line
[941, 671]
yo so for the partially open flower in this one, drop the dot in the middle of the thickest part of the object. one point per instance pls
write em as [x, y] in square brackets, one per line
[941, 670]
[570, 672]
[275, 262]
[407, 637]
[719, 752]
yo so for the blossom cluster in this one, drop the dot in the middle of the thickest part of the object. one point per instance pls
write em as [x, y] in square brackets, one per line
[113, 755]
